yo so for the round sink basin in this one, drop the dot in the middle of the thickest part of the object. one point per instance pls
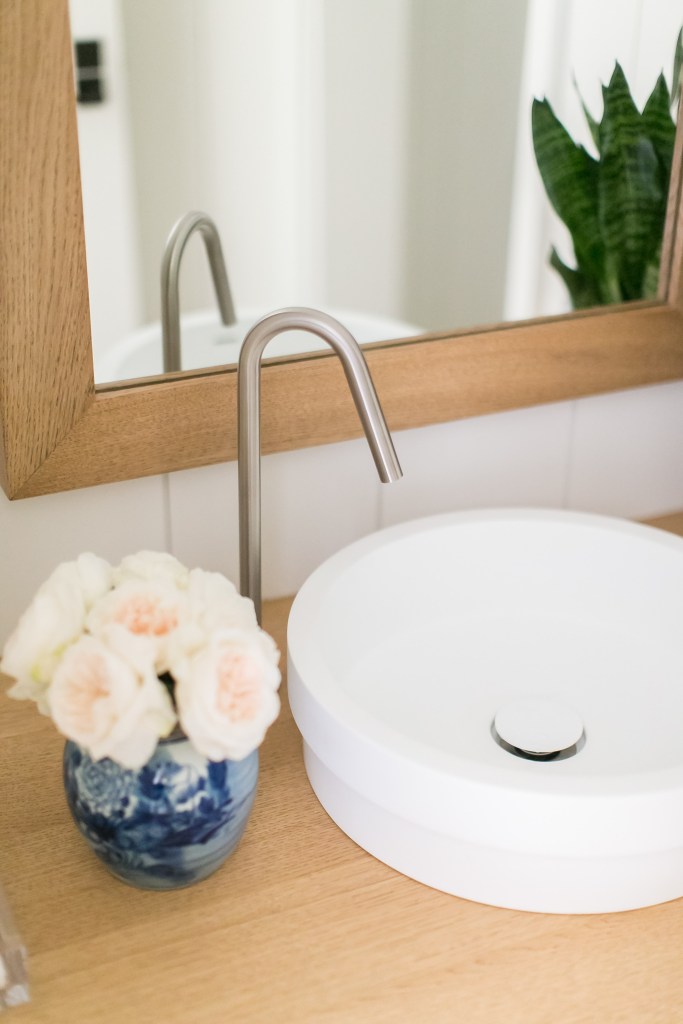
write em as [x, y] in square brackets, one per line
[492, 703]
[208, 342]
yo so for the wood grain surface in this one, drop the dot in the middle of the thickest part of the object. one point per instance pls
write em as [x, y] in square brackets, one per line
[191, 420]
[300, 926]
[46, 371]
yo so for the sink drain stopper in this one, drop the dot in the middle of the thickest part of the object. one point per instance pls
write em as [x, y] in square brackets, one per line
[538, 730]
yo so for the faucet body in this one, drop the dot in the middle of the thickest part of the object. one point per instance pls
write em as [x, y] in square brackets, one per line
[170, 273]
[249, 423]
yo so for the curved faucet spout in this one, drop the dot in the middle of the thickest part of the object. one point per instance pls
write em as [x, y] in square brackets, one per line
[249, 423]
[170, 272]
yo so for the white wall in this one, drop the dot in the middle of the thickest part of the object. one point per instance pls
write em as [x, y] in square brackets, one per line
[619, 454]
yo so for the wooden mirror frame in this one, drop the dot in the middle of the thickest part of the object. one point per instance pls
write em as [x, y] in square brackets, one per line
[57, 431]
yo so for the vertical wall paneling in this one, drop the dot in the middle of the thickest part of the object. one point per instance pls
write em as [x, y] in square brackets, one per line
[36, 534]
[512, 458]
[627, 459]
[204, 519]
[627, 452]
[315, 501]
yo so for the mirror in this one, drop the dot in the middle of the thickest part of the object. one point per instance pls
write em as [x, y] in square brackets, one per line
[57, 431]
[402, 196]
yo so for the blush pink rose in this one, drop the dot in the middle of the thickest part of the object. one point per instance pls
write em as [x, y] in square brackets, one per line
[226, 694]
[154, 610]
[102, 702]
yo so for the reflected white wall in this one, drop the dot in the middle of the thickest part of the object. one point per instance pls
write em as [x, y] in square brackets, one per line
[223, 125]
[465, 65]
[372, 170]
[327, 141]
[366, 143]
[109, 199]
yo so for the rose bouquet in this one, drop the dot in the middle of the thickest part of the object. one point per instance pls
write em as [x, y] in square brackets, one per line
[120, 657]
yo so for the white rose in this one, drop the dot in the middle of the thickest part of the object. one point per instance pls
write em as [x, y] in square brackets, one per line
[100, 701]
[215, 602]
[226, 694]
[153, 609]
[53, 620]
[91, 573]
[152, 565]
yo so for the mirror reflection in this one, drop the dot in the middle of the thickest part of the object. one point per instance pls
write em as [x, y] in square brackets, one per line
[372, 158]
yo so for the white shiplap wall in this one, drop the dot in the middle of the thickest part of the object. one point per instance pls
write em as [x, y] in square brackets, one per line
[619, 454]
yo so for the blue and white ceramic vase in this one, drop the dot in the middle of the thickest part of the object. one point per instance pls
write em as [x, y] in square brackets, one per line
[168, 824]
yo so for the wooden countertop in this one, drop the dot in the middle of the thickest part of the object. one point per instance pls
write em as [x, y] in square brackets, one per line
[300, 925]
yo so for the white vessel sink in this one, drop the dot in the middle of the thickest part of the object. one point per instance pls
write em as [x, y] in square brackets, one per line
[492, 703]
[208, 342]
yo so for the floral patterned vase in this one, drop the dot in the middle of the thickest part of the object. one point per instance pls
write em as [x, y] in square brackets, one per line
[168, 824]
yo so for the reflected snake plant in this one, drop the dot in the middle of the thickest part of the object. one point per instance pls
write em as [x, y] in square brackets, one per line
[613, 205]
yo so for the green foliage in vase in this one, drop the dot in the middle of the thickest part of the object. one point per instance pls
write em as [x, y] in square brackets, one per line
[613, 205]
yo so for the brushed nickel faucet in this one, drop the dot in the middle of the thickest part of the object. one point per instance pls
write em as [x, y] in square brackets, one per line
[170, 272]
[249, 423]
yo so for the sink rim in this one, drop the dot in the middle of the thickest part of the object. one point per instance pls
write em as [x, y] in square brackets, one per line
[308, 604]
[433, 799]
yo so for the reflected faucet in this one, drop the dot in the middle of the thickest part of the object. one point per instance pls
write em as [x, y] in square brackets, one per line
[249, 423]
[170, 271]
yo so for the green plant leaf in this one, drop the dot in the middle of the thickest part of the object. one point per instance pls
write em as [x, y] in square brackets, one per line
[631, 200]
[581, 287]
[593, 125]
[615, 206]
[620, 115]
[659, 126]
[650, 285]
[569, 175]
[678, 67]
[631, 209]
